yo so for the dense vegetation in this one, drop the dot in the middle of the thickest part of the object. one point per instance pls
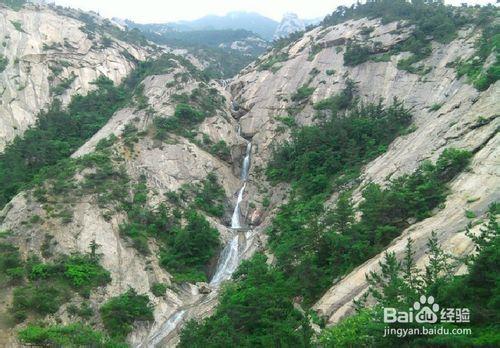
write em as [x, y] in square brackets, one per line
[186, 239]
[42, 287]
[59, 132]
[14, 4]
[325, 156]
[473, 68]
[432, 21]
[313, 250]
[73, 335]
[400, 283]
[254, 311]
[191, 110]
[313, 245]
[120, 313]
[318, 152]
[211, 46]
[56, 135]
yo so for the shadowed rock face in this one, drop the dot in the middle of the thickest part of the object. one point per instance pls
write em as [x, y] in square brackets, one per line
[260, 96]
[44, 49]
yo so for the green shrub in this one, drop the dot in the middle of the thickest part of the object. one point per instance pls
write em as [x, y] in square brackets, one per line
[41, 299]
[85, 272]
[314, 50]
[469, 214]
[120, 313]
[50, 284]
[65, 83]
[210, 197]
[266, 202]
[435, 107]
[187, 114]
[11, 265]
[288, 121]
[356, 54]
[84, 311]
[73, 335]
[192, 247]
[339, 102]
[302, 93]
[159, 289]
[408, 65]
[221, 150]
[4, 61]
[18, 25]
[473, 68]
[356, 330]
[272, 61]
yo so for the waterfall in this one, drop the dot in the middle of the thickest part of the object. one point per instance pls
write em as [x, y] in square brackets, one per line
[167, 327]
[235, 219]
[230, 256]
[228, 262]
[246, 163]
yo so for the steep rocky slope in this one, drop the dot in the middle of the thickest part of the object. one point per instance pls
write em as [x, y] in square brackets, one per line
[167, 166]
[317, 59]
[254, 101]
[52, 55]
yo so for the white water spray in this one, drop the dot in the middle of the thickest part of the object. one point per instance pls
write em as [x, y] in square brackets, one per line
[166, 328]
[235, 219]
[230, 256]
[228, 262]
[246, 163]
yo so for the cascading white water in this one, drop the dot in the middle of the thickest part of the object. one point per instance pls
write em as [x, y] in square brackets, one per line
[166, 328]
[235, 219]
[246, 163]
[228, 262]
[230, 256]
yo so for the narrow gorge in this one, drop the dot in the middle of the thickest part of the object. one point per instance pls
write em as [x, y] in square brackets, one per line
[148, 200]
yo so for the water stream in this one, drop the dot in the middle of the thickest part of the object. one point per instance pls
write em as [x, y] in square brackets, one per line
[246, 163]
[229, 258]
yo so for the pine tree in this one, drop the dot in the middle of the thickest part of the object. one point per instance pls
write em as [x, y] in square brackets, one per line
[342, 216]
[440, 266]
[411, 274]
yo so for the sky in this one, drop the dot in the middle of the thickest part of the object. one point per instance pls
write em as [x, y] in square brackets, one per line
[161, 11]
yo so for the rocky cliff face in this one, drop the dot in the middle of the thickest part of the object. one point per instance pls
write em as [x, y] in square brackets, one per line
[254, 99]
[290, 24]
[317, 60]
[51, 55]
